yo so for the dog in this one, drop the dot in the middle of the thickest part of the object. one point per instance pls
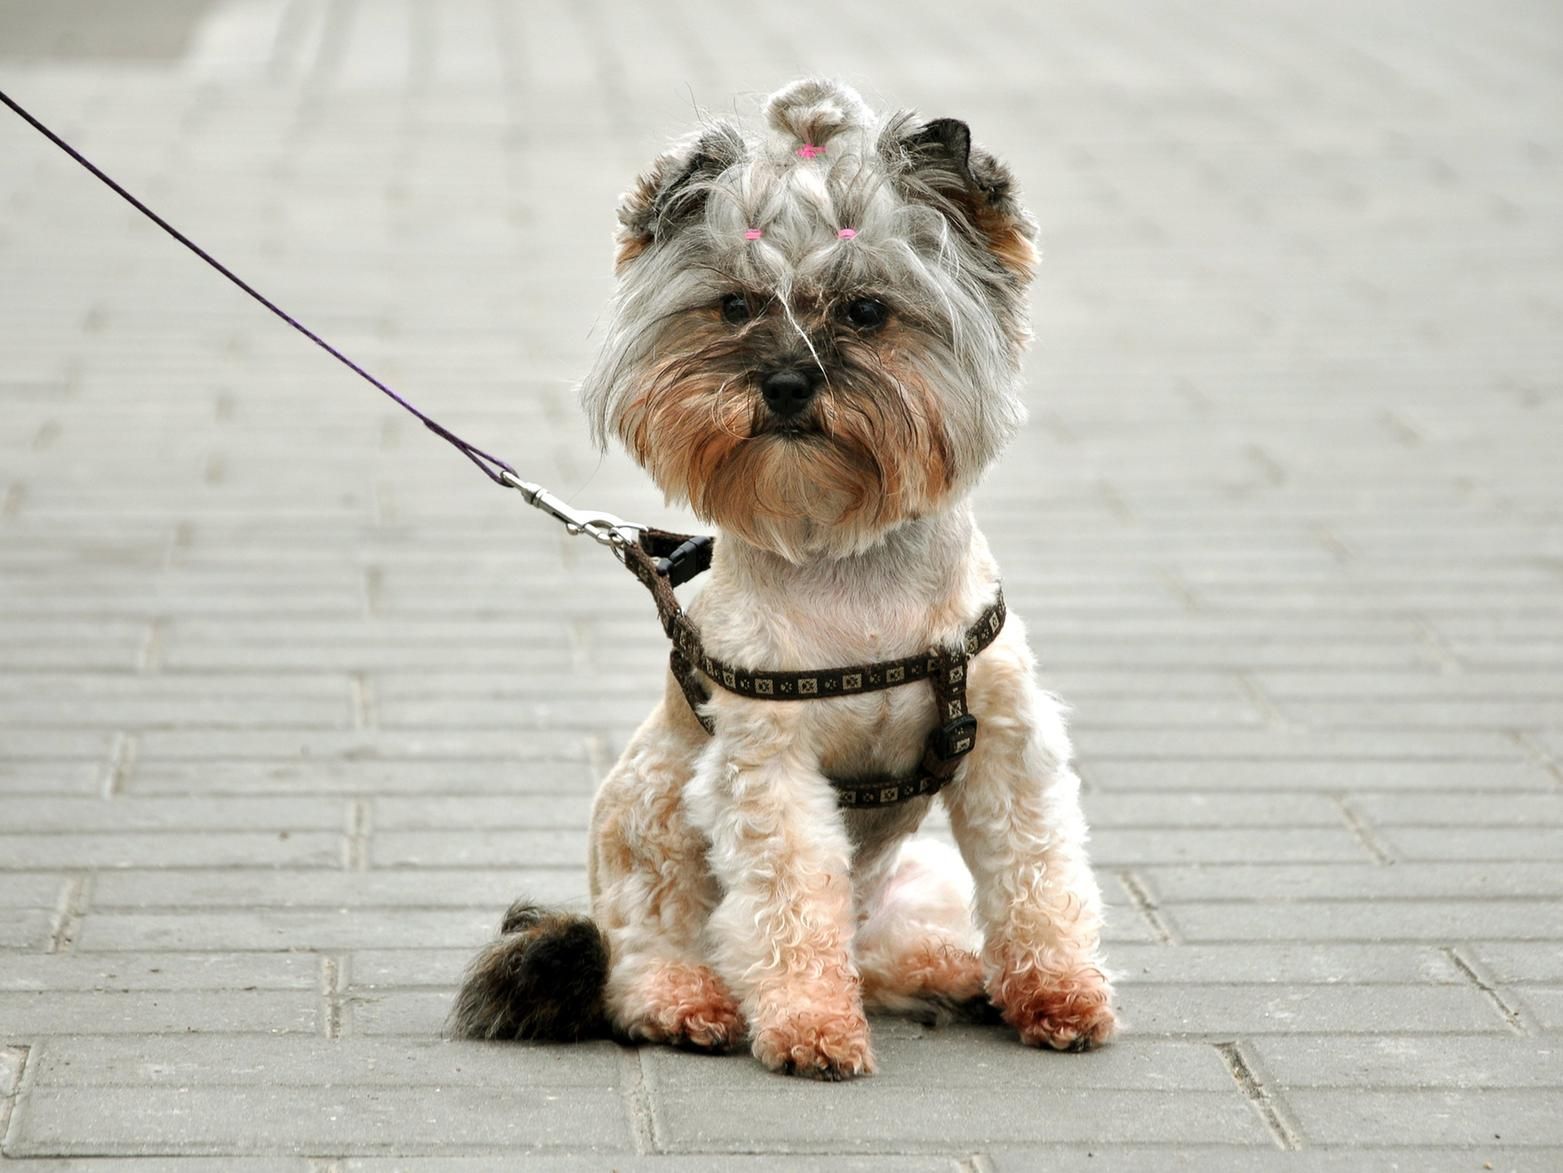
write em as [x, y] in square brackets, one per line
[815, 343]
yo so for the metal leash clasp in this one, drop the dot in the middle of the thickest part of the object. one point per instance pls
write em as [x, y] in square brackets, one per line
[604, 528]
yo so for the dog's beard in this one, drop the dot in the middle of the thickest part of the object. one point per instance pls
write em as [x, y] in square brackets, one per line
[868, 453]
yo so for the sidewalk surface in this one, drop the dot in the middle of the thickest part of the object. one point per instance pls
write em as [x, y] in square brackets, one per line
[293, 703]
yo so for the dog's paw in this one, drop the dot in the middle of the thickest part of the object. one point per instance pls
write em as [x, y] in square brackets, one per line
[1068, 1011]
[817, 1046]
[687, 1006]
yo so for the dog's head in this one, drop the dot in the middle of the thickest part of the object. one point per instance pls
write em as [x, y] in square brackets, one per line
[817, 329]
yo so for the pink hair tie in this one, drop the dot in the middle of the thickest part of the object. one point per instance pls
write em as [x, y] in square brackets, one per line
[808, 151]
[846, 234]
[753, 234]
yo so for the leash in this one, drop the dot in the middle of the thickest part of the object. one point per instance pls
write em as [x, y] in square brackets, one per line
[662, 561]
[602, 527]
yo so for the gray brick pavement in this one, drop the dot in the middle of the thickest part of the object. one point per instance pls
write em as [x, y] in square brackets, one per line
[1284, 527]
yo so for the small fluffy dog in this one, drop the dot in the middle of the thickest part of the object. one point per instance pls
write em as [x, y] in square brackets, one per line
[816, 344]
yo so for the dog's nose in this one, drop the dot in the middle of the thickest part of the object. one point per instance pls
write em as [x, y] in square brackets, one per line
[788, 392]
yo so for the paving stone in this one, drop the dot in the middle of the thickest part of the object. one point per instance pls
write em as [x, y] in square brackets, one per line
[271, 929]
[418, 1013]
[1264, 775]
[204, 1060]
[963, 1056]
[226, 1120]
[1514, 961]
[1347, 1159]
[182, 814]
[1284, 964]
[1196, 809]
[476, 849]
[1403, 881]
[52, 778]
[147, 1012]
[539, 811]
[1494, 843]
[623, 1163]
[471, 776]
[1501, 1116]
[254, 888]
[1546, 1002]
[1448, 810]
[36, 890]
[160, 971]
[172, 849]
[1115, 847]
[1410, 1062]
[870, 1116]
[1167, 1008]
[1518, 920]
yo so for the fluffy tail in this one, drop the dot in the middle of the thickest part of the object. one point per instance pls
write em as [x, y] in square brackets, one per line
[544, 978]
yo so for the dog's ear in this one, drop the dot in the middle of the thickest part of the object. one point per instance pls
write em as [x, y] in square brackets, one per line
[673, 190]
[935, 162]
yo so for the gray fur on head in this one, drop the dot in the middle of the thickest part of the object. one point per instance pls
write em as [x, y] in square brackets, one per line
[939, 239]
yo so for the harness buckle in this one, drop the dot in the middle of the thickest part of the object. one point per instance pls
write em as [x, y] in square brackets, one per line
[688, 559]
[954, 738]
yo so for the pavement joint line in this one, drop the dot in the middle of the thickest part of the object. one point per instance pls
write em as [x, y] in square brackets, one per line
[1274, 472]
[1246, 1073]
[47, 435]
[579, 630]
[121, 760]
[1401, 428]
[1518, 1018]
[72, 907]
[1448, 661]
[22, 1078]
[1334, 545]
[597, 756]
[1537, 752]
[374, 591]
[11, 500]
[325, 1164]
[976, 1163]
[179, 538]
[1256, 696]
[333, 970]
[1180, 589]
[637, 1101]
[150, 656]
[358, 830]
[1149, 909]
[362, 693]
[1116, 503]
[1363, 830]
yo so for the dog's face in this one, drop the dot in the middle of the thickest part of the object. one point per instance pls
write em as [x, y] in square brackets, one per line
[817, 332]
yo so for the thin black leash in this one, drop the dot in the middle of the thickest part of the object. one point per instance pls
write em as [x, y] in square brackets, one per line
[604, 527]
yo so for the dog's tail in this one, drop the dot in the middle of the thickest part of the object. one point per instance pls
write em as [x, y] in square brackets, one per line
[544, 978]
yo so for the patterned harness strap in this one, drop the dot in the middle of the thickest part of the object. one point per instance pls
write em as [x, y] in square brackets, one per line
[663, 560]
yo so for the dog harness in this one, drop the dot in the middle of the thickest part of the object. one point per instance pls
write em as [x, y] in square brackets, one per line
[663, 560]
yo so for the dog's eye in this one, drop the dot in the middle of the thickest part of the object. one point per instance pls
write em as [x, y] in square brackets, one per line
[735, 309]
[866, 313]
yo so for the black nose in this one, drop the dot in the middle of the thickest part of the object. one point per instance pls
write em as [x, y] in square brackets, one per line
[788, 392]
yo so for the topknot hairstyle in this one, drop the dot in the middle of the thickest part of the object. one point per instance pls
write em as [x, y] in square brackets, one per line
[813, 111]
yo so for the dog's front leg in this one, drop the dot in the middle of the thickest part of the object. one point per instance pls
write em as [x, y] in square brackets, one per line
[1016, 815]
[781, 936]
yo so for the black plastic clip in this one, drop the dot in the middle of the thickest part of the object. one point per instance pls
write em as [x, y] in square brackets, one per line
[688, 559]
[955, 738]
